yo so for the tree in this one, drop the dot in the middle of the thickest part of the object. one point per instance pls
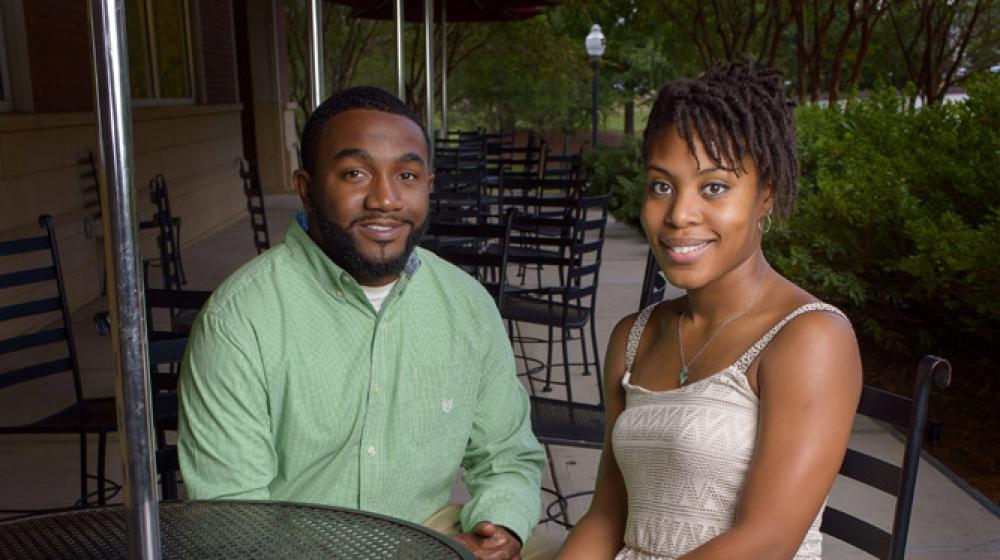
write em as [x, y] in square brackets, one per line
[934, 38]
[347, 42]
[724, 30]
[464, 40]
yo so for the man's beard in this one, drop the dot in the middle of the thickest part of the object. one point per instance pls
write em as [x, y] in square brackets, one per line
[338, 244]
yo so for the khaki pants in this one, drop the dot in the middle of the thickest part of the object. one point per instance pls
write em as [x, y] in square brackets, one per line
[446, 521]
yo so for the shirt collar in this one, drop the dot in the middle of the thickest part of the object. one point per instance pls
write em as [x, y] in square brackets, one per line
[334, 278]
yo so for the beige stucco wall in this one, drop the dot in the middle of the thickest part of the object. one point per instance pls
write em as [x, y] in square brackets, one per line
[194, 146]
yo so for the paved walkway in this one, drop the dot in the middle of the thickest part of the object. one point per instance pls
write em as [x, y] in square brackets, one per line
[41, 471]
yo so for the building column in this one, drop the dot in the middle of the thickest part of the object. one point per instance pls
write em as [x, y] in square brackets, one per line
[273, 117]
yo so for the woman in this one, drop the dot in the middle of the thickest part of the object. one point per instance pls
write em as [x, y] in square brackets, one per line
[729, 409]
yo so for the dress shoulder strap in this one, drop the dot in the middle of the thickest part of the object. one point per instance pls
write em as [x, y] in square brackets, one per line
[743, 363]
[635, 334]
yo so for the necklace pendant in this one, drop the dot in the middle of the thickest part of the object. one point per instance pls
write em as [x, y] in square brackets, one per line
[683, 377]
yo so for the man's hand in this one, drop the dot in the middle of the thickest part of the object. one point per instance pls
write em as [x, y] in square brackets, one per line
[490, 542]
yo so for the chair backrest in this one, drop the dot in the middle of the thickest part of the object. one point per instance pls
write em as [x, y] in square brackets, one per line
[166, 238]
[61, 334]
[482, 249]
[590, 220]
[165, 351]
[654, 285]
[456, 153]
[561, 167]
[459, 195]
[570, 228]
[906, 413]
[173, 301]
[255, 204]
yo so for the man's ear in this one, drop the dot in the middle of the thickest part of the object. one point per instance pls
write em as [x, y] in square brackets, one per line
[303, 185]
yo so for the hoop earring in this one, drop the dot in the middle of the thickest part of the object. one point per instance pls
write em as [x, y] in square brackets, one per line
[765, 228]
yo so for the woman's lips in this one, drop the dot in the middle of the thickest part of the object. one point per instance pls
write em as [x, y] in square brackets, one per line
[686, 252]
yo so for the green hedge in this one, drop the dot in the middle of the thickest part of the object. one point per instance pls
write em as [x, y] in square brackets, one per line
[898, 218]
[621, 170]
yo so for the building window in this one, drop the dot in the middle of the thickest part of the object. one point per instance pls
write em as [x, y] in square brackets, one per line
[6, 103]
[159, 50]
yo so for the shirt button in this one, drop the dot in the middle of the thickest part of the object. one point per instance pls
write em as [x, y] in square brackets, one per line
[376, 389]
[371, 451]
[340, 293]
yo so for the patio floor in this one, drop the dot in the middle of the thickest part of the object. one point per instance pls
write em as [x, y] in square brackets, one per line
[40, 471]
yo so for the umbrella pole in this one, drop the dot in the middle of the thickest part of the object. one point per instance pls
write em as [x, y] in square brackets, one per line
[126, 298]
[315, 54]
[397, 11]
[429, 65]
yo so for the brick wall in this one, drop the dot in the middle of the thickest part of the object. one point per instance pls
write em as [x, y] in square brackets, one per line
[218, 54]
[59, 54]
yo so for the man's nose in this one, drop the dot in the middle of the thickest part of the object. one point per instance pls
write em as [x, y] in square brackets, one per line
[383, 195]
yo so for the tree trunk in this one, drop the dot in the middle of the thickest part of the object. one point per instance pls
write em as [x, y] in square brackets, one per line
[630, 119]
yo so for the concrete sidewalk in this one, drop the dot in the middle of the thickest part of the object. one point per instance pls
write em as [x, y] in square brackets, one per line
[40, 472]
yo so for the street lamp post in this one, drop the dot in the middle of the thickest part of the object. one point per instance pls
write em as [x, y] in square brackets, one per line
[595, 48]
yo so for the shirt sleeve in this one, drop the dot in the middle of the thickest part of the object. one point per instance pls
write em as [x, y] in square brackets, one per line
[503, 460]
[224, 436]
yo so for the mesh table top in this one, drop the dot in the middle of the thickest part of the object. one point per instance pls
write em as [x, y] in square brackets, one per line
[217, 529]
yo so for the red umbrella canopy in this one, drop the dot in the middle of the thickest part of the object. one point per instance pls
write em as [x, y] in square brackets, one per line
[458, 10]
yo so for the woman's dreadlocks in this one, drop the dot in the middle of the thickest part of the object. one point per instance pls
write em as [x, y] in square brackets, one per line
[737, 110]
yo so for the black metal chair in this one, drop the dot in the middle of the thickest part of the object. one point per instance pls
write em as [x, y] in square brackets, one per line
[542, 216]
[461, 195]
[255, 204]
[562, 167]
[570, 305]
[459, 152]
[480, 249]
[83, 417]
[905, 413]
[168, 238]
[167, 351]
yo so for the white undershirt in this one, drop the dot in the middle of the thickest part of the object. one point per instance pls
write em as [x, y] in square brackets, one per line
[377, 294]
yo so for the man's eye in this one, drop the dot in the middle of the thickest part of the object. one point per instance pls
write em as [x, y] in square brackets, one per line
[408, 176]
[353, 174]
[715, 189]
[660, 188]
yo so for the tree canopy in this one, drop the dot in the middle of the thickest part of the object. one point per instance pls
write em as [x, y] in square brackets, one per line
[535, 73]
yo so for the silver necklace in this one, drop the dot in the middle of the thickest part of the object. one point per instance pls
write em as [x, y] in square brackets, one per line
[686, 365]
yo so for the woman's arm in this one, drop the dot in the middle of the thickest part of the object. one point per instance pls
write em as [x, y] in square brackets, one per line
[599, 533]
[809, 381]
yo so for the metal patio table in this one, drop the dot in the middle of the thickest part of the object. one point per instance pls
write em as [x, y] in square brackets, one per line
[229, 529]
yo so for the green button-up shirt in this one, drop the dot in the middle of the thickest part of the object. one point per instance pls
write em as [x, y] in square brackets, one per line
[294, 388]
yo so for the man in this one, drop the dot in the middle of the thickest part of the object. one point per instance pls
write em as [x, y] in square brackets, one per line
[347, 367]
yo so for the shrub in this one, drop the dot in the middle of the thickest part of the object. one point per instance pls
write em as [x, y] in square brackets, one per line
[898, 218]
[621, 170]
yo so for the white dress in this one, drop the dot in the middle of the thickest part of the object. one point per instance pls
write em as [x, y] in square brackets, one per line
[684, 455]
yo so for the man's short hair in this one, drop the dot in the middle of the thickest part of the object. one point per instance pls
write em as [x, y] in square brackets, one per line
[361, 97]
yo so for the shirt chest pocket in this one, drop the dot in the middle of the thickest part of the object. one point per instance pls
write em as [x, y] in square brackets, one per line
[442, 402]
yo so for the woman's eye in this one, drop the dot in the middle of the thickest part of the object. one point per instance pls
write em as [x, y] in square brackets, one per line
[660, 188]
[715, 189]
